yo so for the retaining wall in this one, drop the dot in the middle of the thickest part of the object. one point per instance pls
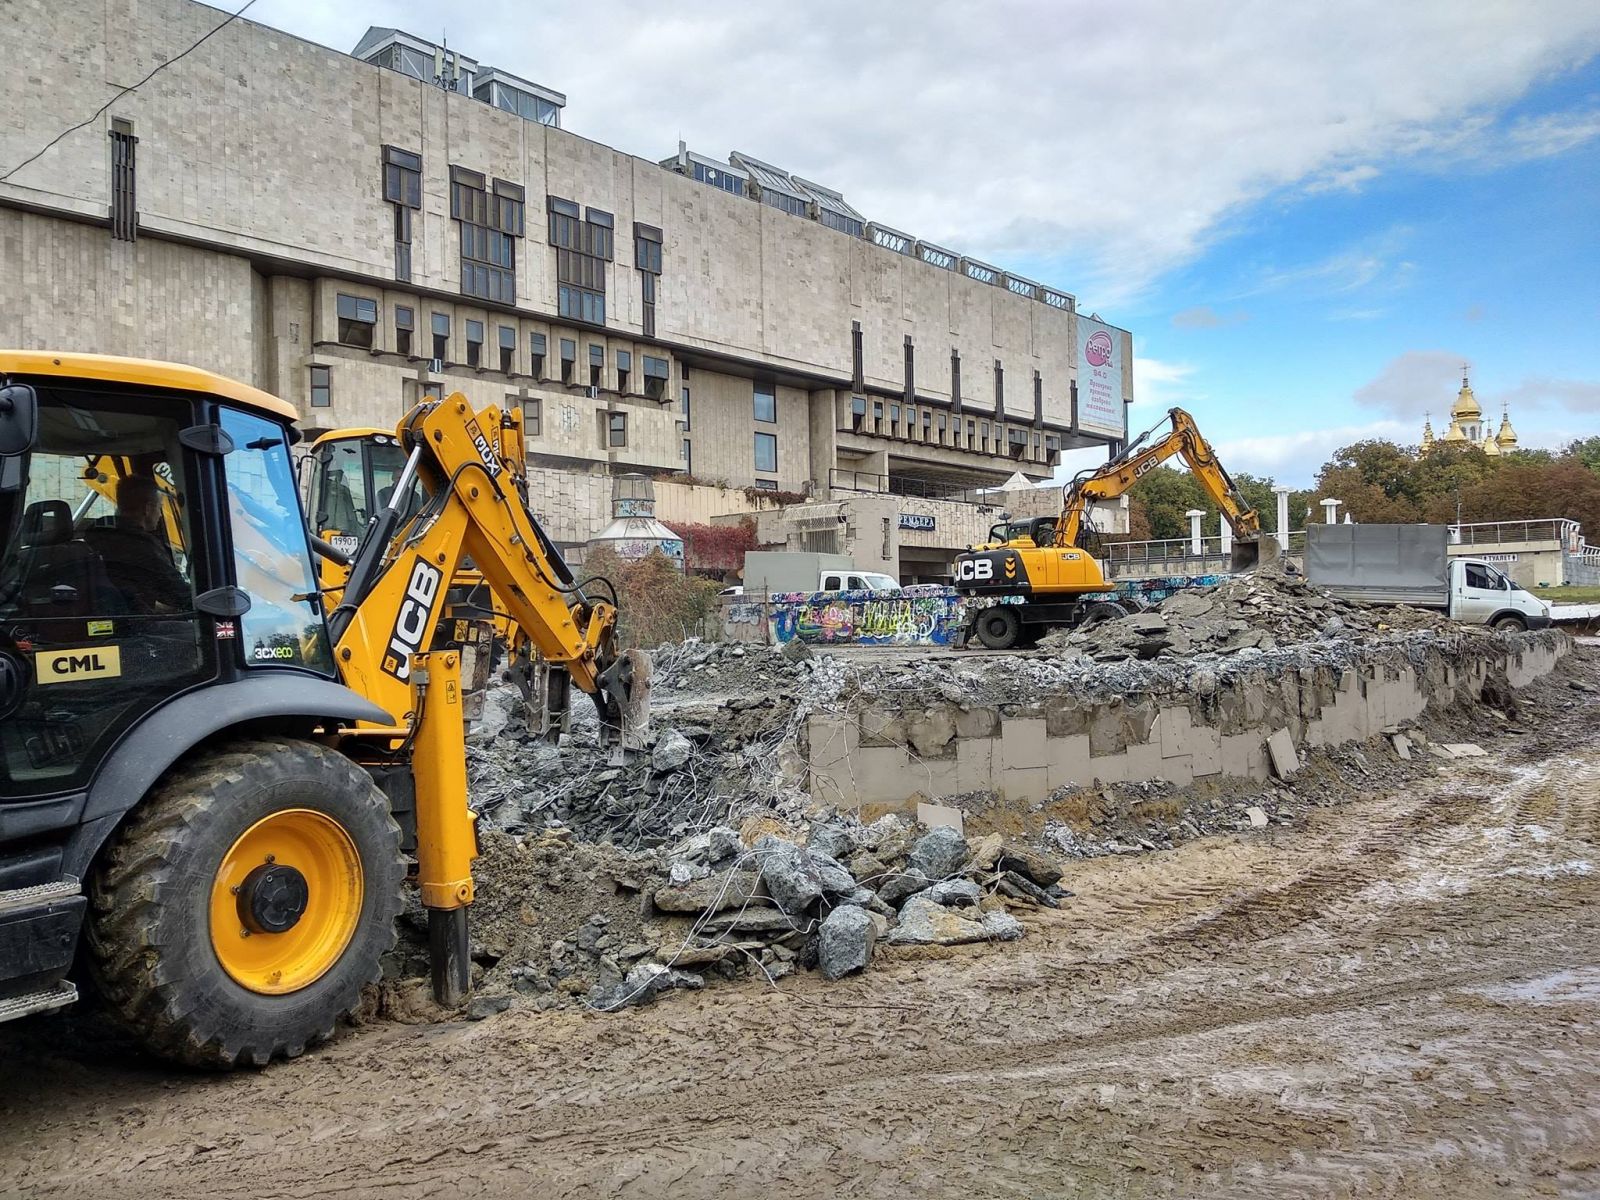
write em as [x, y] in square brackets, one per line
[884, 756]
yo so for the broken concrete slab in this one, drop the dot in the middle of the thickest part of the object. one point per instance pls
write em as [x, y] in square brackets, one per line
[955, 893]
[1285, 762]
[1464, 750]
[790, 875]
[1041, 869]
[1001, 927]
[715, 894]
[845, 940]
[926, 923]
[939, 853]
[1402, 745]
[940, 816]
[1257, 817]
[896, 888]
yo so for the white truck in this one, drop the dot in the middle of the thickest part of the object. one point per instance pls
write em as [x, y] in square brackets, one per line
[1412, 564]
[807, 571]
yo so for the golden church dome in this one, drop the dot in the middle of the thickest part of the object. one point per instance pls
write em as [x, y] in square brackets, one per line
[1507, 437]
[1466, 406]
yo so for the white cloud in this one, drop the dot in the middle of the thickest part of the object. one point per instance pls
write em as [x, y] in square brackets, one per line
[1104, 144]
[1203, 316]
[1294, 458]
[1412, 383]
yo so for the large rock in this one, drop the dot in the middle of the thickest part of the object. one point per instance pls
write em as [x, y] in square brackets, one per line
[925, 922]
[1035, 866]
[833, 840]
[833, 875]
[845, 941]
[719, 892]
[939, 853]
[642, 985]
[1001, 927]
[897, 887]
[792, 878]
[955, 893]
[672, 752]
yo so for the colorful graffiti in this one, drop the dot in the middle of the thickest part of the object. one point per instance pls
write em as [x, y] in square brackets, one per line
[926, 615]
[867, 618]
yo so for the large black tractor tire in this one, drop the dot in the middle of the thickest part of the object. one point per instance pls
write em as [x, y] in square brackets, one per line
[167, 938]
[1101, 611]
[1000, 627]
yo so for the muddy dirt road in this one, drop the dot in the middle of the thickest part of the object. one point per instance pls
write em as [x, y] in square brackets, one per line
[1399, 998]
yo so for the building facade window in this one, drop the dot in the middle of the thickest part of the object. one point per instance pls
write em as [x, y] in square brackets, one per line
[616, 429]
[124, 181]
[766, 403]
[489, 229]
[647, 257]
[683, 408]
[955, 379]
[508, 348]
[569, 360]
[942, 428]
[767, 485]
[405, 329]
[983, 429]
[894, 420]
[402, 187]
[927, 425]
[474, 343]
[358, 320]
[685, 452]
[441, 337]
[972, 434]
[910, 371]
[532, 415]
[766, 452]
[321, 387]
[858, 412]
[877, 416]
[655, 377]
[597, 365]
[536, 353]
[624, 369]
[583, 247]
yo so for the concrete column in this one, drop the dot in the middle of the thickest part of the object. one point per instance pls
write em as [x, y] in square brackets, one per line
[1226, 531]
[1283, 518]
[1194, 515]
[1330, 511]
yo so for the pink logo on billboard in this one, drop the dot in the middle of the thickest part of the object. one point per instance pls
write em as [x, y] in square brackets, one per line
[1098, 349]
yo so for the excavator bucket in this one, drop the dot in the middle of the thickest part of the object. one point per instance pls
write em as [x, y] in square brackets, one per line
[1246, 556]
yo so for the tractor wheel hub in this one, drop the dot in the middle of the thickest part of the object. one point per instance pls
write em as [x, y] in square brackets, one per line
[272, 898]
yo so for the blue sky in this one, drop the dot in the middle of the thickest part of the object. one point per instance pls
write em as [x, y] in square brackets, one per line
[1349, 309]
[1307, 214]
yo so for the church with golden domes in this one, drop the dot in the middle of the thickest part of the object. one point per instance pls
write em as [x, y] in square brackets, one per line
[1468, 428]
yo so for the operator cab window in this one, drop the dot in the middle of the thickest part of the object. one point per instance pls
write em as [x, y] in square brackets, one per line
[97, 580]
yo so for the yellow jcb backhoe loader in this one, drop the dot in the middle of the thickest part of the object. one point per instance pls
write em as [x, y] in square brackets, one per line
[219, 783]
[1042, 577]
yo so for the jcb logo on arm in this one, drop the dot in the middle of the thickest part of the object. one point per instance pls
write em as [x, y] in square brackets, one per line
[974, 570]
[412, 621]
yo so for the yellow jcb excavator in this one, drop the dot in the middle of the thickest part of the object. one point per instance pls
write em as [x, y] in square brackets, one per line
[1041, 576]
[219, 782]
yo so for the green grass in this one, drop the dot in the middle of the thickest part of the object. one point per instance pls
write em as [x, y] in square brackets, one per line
[1569, 595]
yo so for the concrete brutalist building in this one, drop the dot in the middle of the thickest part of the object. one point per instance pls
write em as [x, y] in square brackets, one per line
[353, 232]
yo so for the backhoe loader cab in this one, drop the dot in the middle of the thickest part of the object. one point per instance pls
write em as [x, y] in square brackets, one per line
[203, 772]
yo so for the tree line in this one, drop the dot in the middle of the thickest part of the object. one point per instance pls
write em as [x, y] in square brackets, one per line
[1379, 481]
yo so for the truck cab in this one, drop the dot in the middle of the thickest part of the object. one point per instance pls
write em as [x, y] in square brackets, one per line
[857, 581]
[1480, 594]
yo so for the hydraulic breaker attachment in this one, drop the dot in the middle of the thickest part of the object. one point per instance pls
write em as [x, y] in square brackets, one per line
[546, 689]
[624, 702]
[446, 827]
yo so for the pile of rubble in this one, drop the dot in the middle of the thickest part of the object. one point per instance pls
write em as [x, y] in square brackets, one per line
[1264, 610]
[558, 922]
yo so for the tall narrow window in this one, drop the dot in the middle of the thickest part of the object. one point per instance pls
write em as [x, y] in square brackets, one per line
[766, 403]
[508, 348]
[124, 194]
[955, 379]
[927, 425]
[402, 187]
[624, 368]
[536, 351]
[983, 428]
[685, 453]
[532, 414]
[321, 387]
[910, 371]
[569, 359]
[942, 428]
[894, 420]
[405, 329]
[767, 452]
[857, 358]
[655, 377]
[488, 235]
[358, 319]
[683, 408]
[616, 429]
[474, 343]
[999, 389]
[597, 365]
[441, 337]
[647, 257]
[858, 412]
[582, 250]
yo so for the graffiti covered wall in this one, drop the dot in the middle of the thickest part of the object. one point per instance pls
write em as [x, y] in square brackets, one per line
[928, 616]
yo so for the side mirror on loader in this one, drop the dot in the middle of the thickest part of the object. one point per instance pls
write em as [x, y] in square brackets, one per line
[19, 430]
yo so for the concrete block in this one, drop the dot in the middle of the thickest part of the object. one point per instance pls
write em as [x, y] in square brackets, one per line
[1144, 761]
[1067, 760]
[977, 723]
[1109, 768]
[1022, 742]
[975, 764]
[831, 739]
[1108, 733]
[1260, 763]
[881, 773]
[882, 728]
[1285, 762]
[1174, 725]
[930, 733]
[1064, 717]
[933, 776]
[1205, 751]
[1024, 783]
[1236, 751]
[936, 816]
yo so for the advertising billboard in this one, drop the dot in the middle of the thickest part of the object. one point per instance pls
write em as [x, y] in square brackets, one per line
[1099, 378]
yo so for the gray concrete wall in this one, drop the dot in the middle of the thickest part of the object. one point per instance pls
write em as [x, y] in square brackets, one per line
[881, 756]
